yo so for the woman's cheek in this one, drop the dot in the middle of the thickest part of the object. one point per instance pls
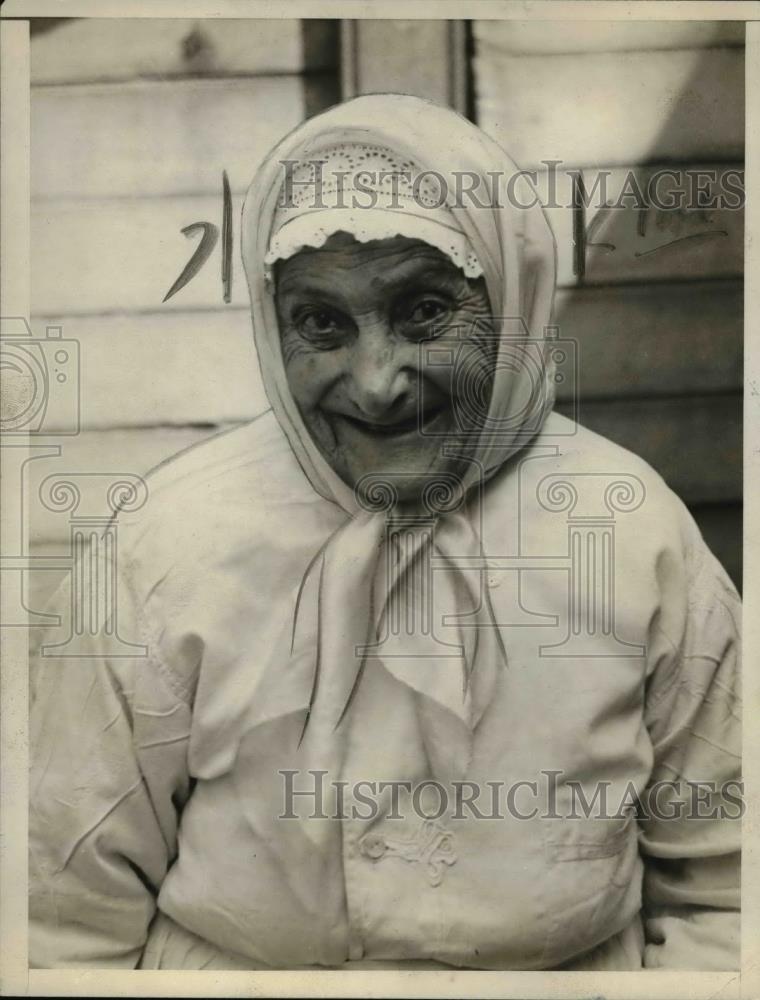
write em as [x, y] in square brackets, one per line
[309, 372]
[470, 324]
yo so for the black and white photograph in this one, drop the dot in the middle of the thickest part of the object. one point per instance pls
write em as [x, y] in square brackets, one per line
[373, 422]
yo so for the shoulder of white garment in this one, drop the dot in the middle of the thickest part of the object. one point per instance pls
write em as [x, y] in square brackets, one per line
[566, 451]
[239, 489]
[251, 462]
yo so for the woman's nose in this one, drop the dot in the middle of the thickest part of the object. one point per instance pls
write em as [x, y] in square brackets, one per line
[379, 380]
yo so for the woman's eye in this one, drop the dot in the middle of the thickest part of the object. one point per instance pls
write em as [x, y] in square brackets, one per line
[423, 314]
[426, 311]
[318, 325]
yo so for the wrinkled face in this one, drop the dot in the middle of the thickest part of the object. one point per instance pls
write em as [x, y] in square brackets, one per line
[356, 324]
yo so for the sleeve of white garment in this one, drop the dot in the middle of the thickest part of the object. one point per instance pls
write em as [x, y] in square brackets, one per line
[691, 837]
[109, 739]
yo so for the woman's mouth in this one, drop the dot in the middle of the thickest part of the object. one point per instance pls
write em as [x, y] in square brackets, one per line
[394, 428]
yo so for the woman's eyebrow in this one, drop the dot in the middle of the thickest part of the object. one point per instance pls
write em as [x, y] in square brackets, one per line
[434, 274]
[328, 295]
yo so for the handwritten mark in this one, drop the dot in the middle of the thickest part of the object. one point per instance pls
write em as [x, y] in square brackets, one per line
[226, 238]
[207, 244]
[664, 219]
[668, 220]
[203, 251]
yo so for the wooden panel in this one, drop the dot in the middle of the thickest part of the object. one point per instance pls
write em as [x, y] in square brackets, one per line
[558, 37]
[123, 255]
[120, 49]
[693, 442]
[655, 340]
[138, 139]
[165, 368]
[171, 368]
[613, 108]
[422, 58]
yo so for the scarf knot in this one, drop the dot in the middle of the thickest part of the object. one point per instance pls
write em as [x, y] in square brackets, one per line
[415, 602]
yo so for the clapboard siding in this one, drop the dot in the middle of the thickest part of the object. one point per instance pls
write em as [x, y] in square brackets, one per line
[123, 256]
[129, 117]
[115, 49]
[655, 340]
[631, 341]
[638, 96]
[95, 256]
[165, 368]
[694, 442]
[151, 139]
[553, 38]
[611, 108]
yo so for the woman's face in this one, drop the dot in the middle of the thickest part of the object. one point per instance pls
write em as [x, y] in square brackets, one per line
[357, 322]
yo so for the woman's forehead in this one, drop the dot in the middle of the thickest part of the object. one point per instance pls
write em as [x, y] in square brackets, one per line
[395, 260]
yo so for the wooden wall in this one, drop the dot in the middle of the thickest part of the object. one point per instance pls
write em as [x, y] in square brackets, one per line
[659, 331]
[133, 122]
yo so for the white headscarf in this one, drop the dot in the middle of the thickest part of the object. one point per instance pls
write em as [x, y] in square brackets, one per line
[338, 596]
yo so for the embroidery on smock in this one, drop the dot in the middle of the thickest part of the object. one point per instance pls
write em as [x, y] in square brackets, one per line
[431, 845]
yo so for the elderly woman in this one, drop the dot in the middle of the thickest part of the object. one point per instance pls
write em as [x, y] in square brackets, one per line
[432, 673]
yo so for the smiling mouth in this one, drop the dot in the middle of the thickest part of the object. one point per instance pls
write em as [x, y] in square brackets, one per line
[395, 429]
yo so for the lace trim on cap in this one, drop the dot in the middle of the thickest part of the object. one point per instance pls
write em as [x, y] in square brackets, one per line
[314, 228]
